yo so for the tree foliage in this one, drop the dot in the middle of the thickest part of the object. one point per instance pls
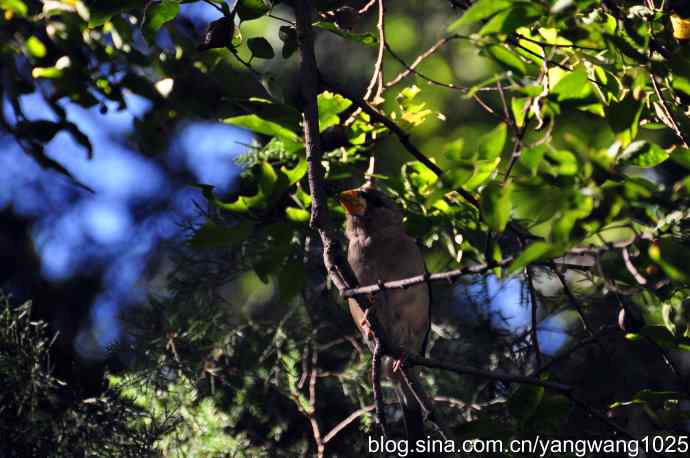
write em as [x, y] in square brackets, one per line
[544, 144]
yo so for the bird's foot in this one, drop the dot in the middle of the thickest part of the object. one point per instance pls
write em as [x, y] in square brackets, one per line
[366, 325]
[364, 322]
[400, 362]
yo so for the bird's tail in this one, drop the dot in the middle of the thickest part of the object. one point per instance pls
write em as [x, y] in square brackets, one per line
[415, 403]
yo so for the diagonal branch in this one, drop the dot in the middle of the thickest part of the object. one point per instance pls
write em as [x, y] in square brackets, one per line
[403, 136]
[346, 422]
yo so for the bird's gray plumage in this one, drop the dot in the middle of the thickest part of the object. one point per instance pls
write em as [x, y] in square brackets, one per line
[380, 250]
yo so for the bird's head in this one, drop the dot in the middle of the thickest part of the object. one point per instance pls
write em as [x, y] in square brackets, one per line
[370, 209]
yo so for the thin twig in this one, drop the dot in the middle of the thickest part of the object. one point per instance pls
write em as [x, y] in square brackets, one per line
[582, 343]
[667, 112]
[411, 68]
[403, 137]
[631, 267]
[376, 384]
[492, 375]
[438, 277]
[346, 422]
[377, 76]
[554, 45]
[366, 7]
[311, 414]
[573, 301]
[533, 308]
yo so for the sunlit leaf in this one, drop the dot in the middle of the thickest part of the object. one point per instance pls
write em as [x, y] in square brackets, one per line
[509, 20]
[18, 7]
[573, 85]
[496, 205]
[330, 106]
[507, 58]
[36, 47]
[297, 215]
[643, 154]
[491, 144]
[534, 252]
[262, 126]
[479, 10]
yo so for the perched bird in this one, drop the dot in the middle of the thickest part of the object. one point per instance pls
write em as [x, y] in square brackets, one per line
[380, 250]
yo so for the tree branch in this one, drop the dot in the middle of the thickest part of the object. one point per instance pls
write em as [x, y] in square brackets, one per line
[491, 375]
[424, 278]
[346, 422]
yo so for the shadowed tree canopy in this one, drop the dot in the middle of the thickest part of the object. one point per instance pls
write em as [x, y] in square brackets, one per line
[538, 150]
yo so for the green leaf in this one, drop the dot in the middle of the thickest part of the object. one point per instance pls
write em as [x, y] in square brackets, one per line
[297, 173]
[480, 10]
[518, 106]
[491, 145]
[681, 156]
[368, 39]
[535, 252]
[531, 157]
[297, 215]
[509, 20]
[36, 47]
[16, 6]
[267, 178]
[261, 48]
[47, 72]
[211, 235]
[330, 106]
[643, 154]
[573, 85]
[496, 205]
[252, 9]
[262, 126]
[157, 14]
[507, 59]
[272, 111]
[624, 119]
[560, 162]
[469, 174]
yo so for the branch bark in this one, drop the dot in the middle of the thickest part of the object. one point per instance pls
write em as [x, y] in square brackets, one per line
[449, 276]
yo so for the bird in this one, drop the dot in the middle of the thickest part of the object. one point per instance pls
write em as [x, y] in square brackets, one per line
[379, 250]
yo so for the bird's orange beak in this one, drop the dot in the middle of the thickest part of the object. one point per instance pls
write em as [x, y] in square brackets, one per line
[353, 202]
